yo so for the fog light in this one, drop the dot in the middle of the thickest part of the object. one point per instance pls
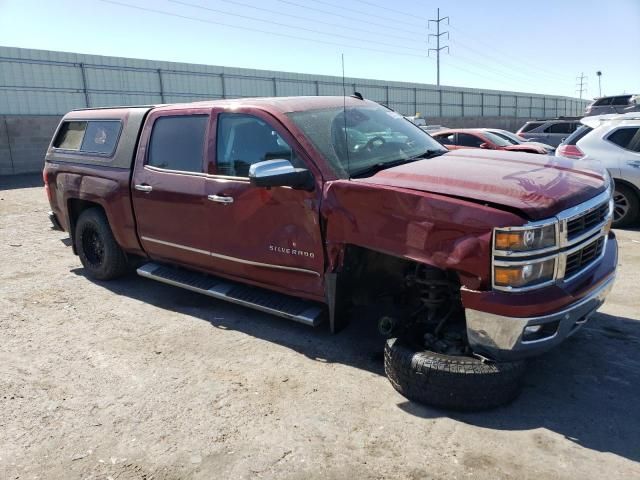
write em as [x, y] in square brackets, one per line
[545, 331]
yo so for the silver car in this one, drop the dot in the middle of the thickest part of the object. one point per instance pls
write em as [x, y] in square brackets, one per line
[552, 132]
[614, 142]
[617, 104]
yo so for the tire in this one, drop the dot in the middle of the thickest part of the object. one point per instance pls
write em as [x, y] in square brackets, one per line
[100, 254]
[626, 206]
[450, 382]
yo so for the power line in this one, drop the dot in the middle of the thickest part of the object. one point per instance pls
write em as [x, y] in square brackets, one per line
[342, 15]
[286, 25]
[359, 12]
[499, 64]
[314, 20]
[398, 12]
[486, 73]
[438, 35]
[245, 28]
[492, 48]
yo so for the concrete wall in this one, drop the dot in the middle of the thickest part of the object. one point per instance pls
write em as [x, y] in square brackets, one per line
[23, 142]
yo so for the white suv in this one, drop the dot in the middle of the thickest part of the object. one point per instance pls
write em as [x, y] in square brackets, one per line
[614, 141]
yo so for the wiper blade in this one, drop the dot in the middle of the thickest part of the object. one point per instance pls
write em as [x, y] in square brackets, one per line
[429, 154]
[376, 167]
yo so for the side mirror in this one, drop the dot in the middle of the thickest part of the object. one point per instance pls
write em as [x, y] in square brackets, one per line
[280, 173]
[486, 146]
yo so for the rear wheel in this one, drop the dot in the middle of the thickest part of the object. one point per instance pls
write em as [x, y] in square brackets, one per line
[100, 254]
[456, 382]
[626, 206]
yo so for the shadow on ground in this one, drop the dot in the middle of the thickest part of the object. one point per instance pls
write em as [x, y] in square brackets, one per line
[13, 182]
[587, 390]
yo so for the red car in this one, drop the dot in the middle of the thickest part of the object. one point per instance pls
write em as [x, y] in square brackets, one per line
[458, 138]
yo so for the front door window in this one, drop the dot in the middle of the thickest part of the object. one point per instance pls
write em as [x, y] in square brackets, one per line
[244, 140]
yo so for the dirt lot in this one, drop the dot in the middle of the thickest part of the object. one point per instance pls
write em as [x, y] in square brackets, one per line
[135, 379]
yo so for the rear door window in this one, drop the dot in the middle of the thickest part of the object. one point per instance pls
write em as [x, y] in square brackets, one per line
[627, 138]
[468, 140]
[621, 101]
[562, 127]
[177, 143]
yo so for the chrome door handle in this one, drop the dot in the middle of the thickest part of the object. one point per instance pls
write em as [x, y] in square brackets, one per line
[143, 187]
[220, 199]
[634, 163]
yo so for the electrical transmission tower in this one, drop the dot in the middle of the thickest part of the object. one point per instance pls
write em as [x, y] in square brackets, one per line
[581, 84]
[438, 34]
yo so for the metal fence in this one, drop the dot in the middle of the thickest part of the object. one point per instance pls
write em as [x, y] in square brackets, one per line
[39, 82]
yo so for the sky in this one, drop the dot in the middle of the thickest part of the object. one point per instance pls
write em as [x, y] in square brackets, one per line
[527, 46]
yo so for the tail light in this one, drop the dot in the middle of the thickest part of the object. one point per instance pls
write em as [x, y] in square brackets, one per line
[45, 179]
[569, 151]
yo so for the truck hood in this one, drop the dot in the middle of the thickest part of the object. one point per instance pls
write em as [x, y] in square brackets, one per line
[539, 186]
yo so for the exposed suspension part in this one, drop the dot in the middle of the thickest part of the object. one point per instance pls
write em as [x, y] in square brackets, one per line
[438, 316]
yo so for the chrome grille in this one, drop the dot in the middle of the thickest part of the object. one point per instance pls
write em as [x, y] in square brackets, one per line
[578, 225]
[581, 239]
[582, 258]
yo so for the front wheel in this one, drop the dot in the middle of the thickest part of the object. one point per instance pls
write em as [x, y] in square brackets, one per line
[454, 382]
[100, 254]
[626, 206]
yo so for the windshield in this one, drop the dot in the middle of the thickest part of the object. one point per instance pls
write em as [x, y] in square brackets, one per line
[530, 126]
[358, 138]
[508, 136]
[495, 139]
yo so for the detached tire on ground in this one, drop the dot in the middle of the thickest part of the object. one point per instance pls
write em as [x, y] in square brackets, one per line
[100, 254]
[450, 382]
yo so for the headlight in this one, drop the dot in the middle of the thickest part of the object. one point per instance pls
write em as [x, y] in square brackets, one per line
[527, 275]
[607, 226]
[526, 239]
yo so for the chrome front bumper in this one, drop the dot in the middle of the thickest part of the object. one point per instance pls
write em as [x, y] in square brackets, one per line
[505, 338]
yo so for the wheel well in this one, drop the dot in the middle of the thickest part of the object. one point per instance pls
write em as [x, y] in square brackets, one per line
[387, 285]
[75, 207]
[630, 185]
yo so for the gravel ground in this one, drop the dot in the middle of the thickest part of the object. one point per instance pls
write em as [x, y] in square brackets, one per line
[133, 379]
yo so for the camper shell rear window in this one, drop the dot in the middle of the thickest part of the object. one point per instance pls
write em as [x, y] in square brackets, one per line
[95, 137]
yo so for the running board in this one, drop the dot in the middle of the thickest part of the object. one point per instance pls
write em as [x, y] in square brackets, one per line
[303, 311]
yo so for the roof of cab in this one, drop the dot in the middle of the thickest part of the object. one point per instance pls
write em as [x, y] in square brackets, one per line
[279, 104]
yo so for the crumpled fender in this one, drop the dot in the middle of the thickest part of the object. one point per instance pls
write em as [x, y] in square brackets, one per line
[445, 232]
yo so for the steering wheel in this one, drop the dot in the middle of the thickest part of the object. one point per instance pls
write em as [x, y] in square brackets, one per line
[371, 142]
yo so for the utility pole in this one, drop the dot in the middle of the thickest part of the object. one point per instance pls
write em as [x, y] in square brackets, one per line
[581, 84]
[599, 74]
[438, 34]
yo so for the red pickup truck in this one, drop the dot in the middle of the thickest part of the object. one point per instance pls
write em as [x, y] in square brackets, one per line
[313, 207]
